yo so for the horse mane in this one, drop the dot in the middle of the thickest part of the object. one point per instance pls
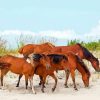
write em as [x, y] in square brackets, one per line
[86, 51]
[57, 57]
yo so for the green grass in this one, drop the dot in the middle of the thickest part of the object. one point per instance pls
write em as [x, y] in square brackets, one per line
[93, 46]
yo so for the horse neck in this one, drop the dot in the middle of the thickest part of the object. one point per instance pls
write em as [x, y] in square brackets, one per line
[91, 59]
[83, 70]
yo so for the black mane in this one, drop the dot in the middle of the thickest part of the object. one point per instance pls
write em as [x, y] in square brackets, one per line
[37, 57]
[57, 57]
[86, 52]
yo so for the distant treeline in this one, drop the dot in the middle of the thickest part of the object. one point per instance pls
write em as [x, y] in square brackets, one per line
[95, 45]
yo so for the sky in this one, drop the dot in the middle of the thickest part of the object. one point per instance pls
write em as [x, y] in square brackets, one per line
[51, 17]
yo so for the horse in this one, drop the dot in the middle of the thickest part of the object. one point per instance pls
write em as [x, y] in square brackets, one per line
[35, 48]
[70, 62]
[18, 66]
[39, 61]
[81, 51]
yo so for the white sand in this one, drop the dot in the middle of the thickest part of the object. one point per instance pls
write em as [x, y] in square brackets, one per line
[10, 92]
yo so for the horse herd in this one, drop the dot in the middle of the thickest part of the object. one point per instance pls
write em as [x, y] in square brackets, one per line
[45, 59]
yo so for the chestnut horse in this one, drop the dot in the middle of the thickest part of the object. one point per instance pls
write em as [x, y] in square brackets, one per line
[39, 61]
[17, 66]
[81, 51]
[70, 64]
[35, 48]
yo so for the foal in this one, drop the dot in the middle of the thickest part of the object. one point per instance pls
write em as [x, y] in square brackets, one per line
[39, 61]
[17, 66]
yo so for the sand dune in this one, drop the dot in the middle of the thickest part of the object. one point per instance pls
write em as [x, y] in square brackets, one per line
[11, 92]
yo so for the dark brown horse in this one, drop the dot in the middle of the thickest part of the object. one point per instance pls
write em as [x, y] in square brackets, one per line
[70, 62]
[81, 51]
[35, 48]
[18, 66]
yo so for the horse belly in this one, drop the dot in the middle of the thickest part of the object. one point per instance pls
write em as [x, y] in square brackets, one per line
[16, 70]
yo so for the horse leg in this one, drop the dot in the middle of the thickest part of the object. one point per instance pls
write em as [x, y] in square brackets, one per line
[2, 79]
[26, 81]
[40, 80]
[31, 82]
[3, 72]
[54, 77]
[43, 82]
[20, 76]
[73, 79]
[67, 72]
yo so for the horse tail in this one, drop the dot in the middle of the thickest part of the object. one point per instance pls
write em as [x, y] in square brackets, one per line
[4, 65]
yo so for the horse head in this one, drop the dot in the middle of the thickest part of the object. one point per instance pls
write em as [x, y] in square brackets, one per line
[85, 79]
[95, 64]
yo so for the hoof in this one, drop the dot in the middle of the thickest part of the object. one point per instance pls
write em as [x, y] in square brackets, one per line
[66, 86]
[17, 85]
[34, 92]
[39, 83]
[53, 89]
[60, 78]
[44, 86]
[42, 91]
[76, 89]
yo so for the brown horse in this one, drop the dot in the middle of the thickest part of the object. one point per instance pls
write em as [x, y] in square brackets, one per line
[70, 62]
[81, 51]
[39, 61]
[35, 48]
[17, 66]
